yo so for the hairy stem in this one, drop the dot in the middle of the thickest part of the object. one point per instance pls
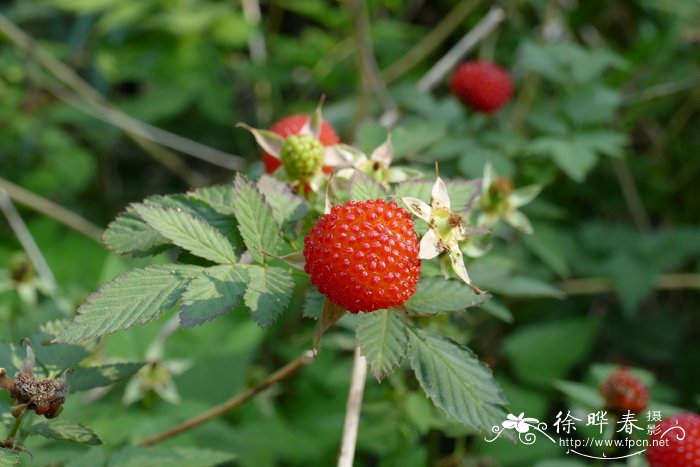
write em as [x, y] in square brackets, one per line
[236, 401]
[352, 412]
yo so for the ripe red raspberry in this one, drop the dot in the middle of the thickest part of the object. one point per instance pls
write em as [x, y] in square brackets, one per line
[623, 392]
[363, 255]
[291, 126]
[483, 86]
[676, 452]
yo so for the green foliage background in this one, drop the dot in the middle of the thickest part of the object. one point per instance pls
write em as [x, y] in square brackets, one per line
[605, 116]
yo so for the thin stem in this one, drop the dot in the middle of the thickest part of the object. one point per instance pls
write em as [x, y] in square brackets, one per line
[352, 412]
[258, 55]
[69, 78]
[594, 285]
[443, 66]
[631, 194]
[437, 73]
[283, 373]
[430, 42]
[15, 426]
[27, 241]
[51, 209]
[368, 63]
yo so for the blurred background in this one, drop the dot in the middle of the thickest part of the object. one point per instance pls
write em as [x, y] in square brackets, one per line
[105, 102]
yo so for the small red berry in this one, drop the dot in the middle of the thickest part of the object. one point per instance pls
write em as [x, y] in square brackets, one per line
[672, 448]
[291, 126]
[363, 255]
[622, 392]
[483, 86]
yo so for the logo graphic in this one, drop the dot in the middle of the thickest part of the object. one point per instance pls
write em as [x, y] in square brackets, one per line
[528, 429]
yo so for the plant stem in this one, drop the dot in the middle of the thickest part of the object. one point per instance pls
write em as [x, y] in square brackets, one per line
[236, 401]
[371, 77]
[15, 426]
[631, 194]
[27, 241]
[142, 134]
[430, 42]
[594, 285]
[51, 209]
[352, 412]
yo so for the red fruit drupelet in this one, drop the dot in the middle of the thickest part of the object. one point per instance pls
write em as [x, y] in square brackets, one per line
[679, 452]
[291, 126]
[363, 255]
[483, 86]
[622, 391]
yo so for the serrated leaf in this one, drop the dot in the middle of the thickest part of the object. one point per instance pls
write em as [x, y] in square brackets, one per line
[364, 187]
[219, 197]
[66, 429]
[84, 378]
[214, 292]
[170, 456]
[256, 221]
[128, 234]
[134, 297]
[190, 233]
[8, 458]
[268, 294]
[383, 340]
[286, 206]
[313, 304]
[437, 295]
[456, 381]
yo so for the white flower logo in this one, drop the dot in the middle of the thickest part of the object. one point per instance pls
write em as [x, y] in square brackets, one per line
[520, 423]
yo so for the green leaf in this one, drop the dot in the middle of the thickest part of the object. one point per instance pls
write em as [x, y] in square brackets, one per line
[219, 197]
[581, 393]
[212, 293]
[521, 286]
[190, 233]
[313, 304]
[573, 339]
[364, 187]
[256, 221]
[170, 456]
[286, 206]
[498, 310]
[8, 458]
[456, 381]
[269, 292]
[383, 340]
[437, 295]
[546, 244]
[134, 297]
[84, 378]
[575, 158]
[65, 429]
[128, 234]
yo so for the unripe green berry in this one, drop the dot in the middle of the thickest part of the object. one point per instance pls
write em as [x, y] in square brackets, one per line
[301, 156]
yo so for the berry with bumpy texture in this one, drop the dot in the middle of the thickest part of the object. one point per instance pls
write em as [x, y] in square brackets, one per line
[291, 126]
[676, 452]
[363, 255]
[622, 392]
[483, 86]
[301, 156]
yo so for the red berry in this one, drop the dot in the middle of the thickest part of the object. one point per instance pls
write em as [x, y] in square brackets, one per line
[363, 255]
[623, 392]
[291, 126]
[671, 451]
[483, 86]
